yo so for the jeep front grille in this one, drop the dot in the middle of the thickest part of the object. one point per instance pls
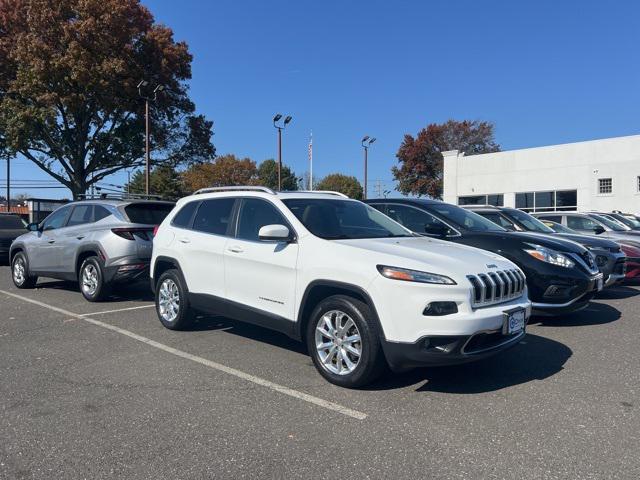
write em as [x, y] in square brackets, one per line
[496, 287]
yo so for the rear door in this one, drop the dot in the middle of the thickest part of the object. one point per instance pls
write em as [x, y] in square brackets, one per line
[74, 233]
[261, 274]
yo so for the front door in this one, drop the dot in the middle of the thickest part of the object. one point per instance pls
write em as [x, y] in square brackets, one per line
[261, 274]
[43, 252]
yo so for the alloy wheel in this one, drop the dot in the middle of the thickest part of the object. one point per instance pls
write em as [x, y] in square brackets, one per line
[90, 279]
[168, 300]
[19, 271]
[338, 342]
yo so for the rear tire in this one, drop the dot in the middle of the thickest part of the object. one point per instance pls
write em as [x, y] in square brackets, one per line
[20, 272]
[91, 280]
[344, 343]
[172, 302]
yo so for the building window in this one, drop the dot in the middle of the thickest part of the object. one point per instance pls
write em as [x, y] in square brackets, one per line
[547, 201]
[605, 185]
[497, 200]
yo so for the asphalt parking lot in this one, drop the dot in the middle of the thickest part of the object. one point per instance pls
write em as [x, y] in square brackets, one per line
[104, 391]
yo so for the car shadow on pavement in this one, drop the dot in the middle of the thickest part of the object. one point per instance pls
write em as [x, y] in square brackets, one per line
[246, 330]
[618, 293]
[138, 291]
[595, 314]
[535, 358]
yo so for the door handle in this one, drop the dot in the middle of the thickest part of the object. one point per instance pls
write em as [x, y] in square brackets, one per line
[51, 241]
[80, 237]
[235, 249]
[185, 240]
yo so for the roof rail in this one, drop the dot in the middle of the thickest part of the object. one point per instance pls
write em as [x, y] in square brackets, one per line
[235, 189]
[486, 205]
[325, 192]
[118, 196]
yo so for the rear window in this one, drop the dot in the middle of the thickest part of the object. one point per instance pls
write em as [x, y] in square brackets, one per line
[11, 221]
[147, 213]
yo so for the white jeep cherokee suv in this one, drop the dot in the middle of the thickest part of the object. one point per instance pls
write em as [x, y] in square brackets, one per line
[362, 291]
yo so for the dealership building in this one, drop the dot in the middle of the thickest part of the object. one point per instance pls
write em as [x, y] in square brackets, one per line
[595, 175]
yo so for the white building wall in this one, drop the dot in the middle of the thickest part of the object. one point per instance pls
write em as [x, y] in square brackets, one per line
[572, 166]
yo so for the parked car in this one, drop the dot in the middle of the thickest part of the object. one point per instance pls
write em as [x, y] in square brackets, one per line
[11, 227]
[626, 220]
[593, 224]
[361, 290]
[562, 276]
[632, 252]
[609, 257]
[96, 242]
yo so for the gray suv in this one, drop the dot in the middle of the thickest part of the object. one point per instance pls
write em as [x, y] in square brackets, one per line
[95, 242]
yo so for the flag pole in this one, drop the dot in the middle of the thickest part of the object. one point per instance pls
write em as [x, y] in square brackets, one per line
[311, 161]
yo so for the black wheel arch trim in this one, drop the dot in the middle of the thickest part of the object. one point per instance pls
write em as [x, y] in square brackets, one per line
[172, 261]
[349, 287]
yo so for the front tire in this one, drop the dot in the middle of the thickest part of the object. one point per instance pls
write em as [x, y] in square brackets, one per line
[20, 272]
[344, 343]
[91, 280]
[172, 302]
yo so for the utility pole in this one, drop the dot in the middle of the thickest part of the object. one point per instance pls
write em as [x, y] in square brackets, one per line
[366, 143]
[378, 188]
[8, 184]
[147, 156]
[286, 121]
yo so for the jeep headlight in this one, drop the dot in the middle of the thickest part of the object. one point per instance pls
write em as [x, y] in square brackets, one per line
[547, 255]
[407, 275]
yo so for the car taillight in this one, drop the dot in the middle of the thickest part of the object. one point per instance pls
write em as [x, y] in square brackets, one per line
[155, 230]
[131, 233]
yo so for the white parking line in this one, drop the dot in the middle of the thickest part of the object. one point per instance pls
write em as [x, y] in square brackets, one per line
[115, 311]
[203, 361]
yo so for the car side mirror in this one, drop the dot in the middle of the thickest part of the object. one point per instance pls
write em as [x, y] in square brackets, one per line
[278, 233]
[33, 227]
[437, 230]
[598, 229]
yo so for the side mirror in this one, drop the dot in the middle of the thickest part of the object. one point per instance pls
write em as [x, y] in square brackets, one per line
[436, 229]
[598, 229]
[33, 227]
[278, 233]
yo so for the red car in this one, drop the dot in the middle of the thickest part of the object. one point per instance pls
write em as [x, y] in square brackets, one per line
[633, 261]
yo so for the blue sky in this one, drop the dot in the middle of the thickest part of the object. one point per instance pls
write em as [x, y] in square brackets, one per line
[544, 72]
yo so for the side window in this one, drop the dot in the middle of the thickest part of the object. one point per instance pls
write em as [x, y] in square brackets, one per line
[412, 218]
[255, 214]
[99, 213]
[184, 216]
[381, 207]
[56, 219]
[580, 223]
[213, 216]
[81, 214]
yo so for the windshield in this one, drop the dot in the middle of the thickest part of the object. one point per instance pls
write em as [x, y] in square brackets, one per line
[530, 223]
[343, 219]
[463, 218]
[612, 224]
[558, 228]
[629, 220]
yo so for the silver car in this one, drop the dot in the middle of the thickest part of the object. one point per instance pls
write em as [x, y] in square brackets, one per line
[95, 242]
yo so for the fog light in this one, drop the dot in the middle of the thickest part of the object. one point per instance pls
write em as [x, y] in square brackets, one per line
[438, 309]
[557, 291]
[601, 260]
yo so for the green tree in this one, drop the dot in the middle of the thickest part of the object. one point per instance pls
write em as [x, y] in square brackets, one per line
[227, 170]
[338, 182]
[268, 176]
[69, 101]
[164, 179]
[420, 158]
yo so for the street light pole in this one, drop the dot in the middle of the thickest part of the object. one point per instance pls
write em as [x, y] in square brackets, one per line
[366, 143]
[286, 121]
[147, 154]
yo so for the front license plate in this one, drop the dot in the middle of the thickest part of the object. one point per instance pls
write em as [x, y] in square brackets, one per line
[514, 321]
